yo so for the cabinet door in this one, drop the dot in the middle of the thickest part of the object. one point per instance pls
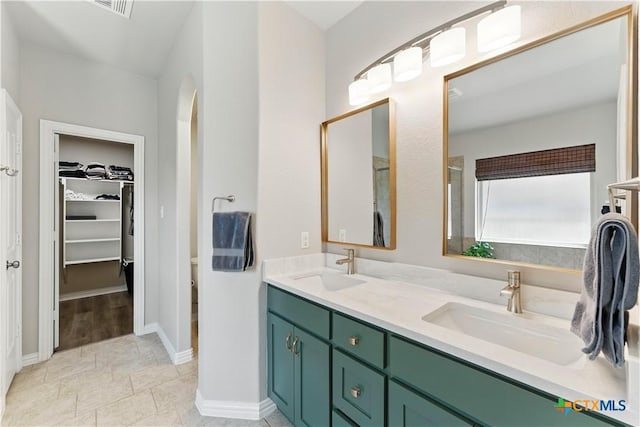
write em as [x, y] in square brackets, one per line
[358, 391]
[407, 409]
[312, 393]
[281, 388]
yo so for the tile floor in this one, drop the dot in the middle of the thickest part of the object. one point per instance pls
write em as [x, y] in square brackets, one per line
[125, 381]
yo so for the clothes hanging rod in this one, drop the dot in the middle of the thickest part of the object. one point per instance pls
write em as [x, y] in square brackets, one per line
[231, 198]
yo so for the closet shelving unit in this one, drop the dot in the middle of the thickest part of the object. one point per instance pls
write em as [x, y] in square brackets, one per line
[92, 240]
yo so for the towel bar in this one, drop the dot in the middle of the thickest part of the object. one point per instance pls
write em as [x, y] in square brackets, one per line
[230, 198]
[630, 185]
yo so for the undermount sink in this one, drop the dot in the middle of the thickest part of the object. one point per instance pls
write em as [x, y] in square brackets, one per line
[508, 330]
[332, 281]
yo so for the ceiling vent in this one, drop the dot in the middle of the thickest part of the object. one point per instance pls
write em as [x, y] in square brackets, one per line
[119, 7]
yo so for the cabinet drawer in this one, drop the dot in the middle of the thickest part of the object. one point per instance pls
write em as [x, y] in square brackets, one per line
[305, 314]
[480, 396]
[408, 409]
[362, 341]
[358, 391]
[337, 420]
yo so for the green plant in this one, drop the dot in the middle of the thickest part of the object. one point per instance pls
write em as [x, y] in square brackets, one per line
[480, 249]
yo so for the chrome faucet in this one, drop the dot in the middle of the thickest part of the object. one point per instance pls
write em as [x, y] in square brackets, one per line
[349, 260]
[512, 290]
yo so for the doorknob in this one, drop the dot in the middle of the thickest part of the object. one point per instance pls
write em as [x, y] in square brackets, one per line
[14, 264]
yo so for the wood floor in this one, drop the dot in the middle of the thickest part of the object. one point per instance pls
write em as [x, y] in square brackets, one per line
[87, 320]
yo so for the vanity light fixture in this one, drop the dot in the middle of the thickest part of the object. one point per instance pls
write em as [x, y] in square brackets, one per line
[407, 64]
[499, 29]
[379, 78]
[359, 92]
[448, 47]
[444, 43]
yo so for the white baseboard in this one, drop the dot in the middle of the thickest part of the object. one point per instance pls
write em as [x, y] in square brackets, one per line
[177, 358]
[229, 409]
[30, 359]
[93, 292]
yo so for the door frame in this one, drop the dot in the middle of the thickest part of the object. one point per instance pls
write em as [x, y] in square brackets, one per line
[48, 232]
[8, 102]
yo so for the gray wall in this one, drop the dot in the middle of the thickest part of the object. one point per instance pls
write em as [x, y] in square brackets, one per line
[375, 28]
[10, 53]
[59, 87]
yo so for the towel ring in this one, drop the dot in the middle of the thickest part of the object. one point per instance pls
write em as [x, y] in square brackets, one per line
[231, 198]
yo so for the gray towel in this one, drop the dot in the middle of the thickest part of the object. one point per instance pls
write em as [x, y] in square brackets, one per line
[611, 276]
[232, 241]
[378, 229]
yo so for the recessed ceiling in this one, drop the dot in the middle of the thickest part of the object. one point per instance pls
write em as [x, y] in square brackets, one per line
[324, 13]
[140, 44]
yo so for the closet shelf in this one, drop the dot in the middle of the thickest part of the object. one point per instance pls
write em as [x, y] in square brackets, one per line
[92, 200]
[72, 178]
[102, 240]
[110, 239]
[87, 261]
[76, 221]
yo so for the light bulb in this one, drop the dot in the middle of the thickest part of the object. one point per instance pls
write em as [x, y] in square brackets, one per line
[448, 47]
[407, 64]
[499, 29]
[359, 92]
[379, 78]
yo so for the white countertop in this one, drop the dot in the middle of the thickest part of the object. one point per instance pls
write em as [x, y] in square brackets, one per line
[399, 307]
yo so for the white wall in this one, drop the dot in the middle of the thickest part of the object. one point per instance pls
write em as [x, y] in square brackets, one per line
[291, 108]
[593, 124]
[183, 64]
[375, 28]
[230, 317]
[10, 56]
[87, 150]
[292, 99]
[59, 87]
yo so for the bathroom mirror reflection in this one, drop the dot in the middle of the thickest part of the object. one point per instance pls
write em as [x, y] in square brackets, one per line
[358, 177]
[532, 138]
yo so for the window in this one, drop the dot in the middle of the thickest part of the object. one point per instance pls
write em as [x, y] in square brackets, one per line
[550, 210]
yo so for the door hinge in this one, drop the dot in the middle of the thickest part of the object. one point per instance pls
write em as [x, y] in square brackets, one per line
[18, 239]
[19, 147]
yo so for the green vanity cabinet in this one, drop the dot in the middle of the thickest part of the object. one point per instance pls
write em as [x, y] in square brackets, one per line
[358, 391]
[409, 409]
[475, 393]
[360, 340]
[299, 363]
[329, 369]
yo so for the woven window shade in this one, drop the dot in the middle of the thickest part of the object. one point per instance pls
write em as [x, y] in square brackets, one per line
[577, 159]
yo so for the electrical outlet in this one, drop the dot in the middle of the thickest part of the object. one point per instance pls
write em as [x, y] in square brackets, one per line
[304, 240]
[342, 235]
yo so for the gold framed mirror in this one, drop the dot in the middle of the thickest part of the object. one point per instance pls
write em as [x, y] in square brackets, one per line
[531, 139]
[359, 177]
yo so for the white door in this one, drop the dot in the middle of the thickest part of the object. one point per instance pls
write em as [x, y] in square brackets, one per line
[10, 240]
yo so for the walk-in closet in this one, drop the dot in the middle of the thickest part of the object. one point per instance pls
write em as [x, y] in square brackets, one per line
[96, 229]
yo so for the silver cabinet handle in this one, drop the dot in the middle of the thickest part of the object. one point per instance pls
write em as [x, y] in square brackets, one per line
[354, 340]
[287, 341]
[356, 392]
[14, 264]
[295, 346]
